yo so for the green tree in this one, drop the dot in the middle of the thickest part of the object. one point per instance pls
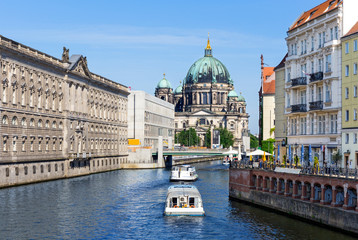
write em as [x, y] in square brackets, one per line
[336, 157]
[226, 138]
[208, 139]
[268, 145]
[254, 141]
[188, 137]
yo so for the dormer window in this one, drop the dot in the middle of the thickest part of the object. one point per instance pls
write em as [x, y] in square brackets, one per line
[331, 3]
[313, 12]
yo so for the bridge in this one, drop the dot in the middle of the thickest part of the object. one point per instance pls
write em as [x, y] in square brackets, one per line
[190, 152]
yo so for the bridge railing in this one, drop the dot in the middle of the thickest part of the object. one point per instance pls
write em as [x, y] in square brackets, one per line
[332, 171]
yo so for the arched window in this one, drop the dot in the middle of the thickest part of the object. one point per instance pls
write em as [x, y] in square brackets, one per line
[54, 124]
[39, 123]
[32, 122]
[47, 124]
[14, 121]
[60, 125]
[5, 120]
[23, 122]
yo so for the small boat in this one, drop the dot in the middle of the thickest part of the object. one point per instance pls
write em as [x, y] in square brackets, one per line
[183, 200]
[226, 161]
[183, 173]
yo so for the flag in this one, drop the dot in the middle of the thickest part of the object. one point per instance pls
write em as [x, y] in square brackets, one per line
[310, 153]
[264, 158]
[289, 153]
[278, 153]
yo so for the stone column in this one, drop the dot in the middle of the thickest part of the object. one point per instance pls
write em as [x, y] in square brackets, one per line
[295, 190]
[272, 186]
[259, 182]
[287, 188]
[334, 195]
[278, 191]
[345, 205]
[312, 193]
[304, 191]
[323, 191]
[357, 198]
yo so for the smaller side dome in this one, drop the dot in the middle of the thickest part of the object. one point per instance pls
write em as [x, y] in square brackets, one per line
[164, 83]
[233, 94]
[179, 89]
[241, 98]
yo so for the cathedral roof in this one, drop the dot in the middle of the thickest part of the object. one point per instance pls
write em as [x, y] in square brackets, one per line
[164, 83]
[232, 93]
[179, 89]
[208, 70]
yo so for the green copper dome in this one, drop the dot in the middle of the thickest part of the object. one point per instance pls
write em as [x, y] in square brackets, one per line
[208, 70]
[232, 93]
[241, 98]
[179, 89]
[164, 83]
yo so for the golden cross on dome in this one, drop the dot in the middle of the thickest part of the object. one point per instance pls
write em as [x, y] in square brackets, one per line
[163, 75]
[208, 45]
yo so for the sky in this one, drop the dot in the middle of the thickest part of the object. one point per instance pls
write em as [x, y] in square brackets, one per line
[135, 42]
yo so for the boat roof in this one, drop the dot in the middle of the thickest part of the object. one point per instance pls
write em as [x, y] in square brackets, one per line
[181, 190]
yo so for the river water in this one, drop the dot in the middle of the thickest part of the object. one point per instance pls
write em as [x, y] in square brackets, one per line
[129, 204]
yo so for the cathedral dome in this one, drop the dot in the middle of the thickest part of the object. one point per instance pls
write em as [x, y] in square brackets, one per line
[241, 98]
[179, 89]
[208, 70]
[164, 83]
[232, 93]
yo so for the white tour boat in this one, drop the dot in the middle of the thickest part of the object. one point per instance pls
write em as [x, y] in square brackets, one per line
[183, 173]
[183, 200]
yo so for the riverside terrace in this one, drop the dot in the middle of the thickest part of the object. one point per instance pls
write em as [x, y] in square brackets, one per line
[326, 196]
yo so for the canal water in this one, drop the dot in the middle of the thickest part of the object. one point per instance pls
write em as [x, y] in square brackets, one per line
[129, 204]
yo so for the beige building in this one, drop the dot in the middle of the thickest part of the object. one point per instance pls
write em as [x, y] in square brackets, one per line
[58, 118]
[280, 120]
[350, 98]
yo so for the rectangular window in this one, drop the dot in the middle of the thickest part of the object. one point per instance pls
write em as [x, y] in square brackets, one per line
[312, 43]
[14, 140]
[336, 32]
[302, 48]
[319, 40]
[347, 93]
[305, 45]
[355, 91]
[328, 63]
[319, 93]
[347, 70]
[312, 124]
[347, 138]
[355, 138]
[288, 74]
[303, 97]
[295, 48]
[347, 115]
[355, 114]
[331, 31]
[312, 67]
[323, 38]
[328, 93]
[355, 68]
[355, 45]
[320, 65]
[347, 47]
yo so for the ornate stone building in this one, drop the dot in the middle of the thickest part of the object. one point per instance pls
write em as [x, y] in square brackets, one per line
[207, 98]
[58, 118]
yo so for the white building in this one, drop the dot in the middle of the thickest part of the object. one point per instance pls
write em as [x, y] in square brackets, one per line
[313, 77]
[148, 118]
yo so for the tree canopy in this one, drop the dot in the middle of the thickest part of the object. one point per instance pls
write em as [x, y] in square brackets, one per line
[187, 137]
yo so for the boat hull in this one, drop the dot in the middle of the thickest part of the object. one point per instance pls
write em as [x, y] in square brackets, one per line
[185, 178]
[197, 212]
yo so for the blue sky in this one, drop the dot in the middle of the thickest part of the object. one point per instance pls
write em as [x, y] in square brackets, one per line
[135, 42]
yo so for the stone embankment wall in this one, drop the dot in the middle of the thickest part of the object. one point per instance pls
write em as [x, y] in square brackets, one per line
[32, 172]
[304, 196]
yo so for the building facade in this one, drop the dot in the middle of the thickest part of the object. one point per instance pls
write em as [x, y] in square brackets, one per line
[280, 120]
[58, 118]
[266, 103]
[207, 99]
[350, 98]
[149, 118]
[313, 78]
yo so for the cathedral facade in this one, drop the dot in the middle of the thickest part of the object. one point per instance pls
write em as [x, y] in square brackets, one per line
[207, 99]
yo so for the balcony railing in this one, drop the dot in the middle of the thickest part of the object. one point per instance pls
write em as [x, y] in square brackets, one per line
[316, 76]
[299, 108]
[318, 105]
[298, 81]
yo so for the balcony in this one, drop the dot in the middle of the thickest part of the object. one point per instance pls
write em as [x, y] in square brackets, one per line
[318, 105]
[316, 76]
[298, 81]
[298, 108]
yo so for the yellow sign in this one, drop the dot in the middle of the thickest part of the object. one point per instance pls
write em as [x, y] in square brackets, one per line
[133, 142]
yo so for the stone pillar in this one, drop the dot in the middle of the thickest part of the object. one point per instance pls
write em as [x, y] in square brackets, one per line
[160, 152]
[259, 182]
[323, 192]
[295, 190]
[334, 195]
[265, 188]
[304, 191]
[312, 193]
[272, 186]
[278, 191]
[345, 205]
[287, 188]
[357, 198]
